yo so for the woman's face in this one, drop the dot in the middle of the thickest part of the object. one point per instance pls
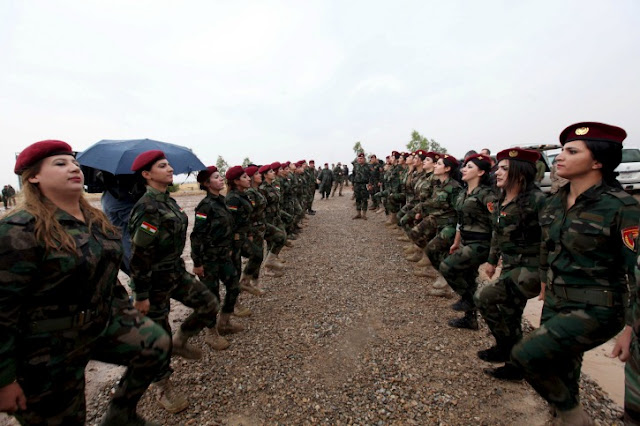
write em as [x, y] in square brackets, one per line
[243, 182]
[161, 172]
[270, 175]
[216, 182]
[59, 174]
[401, 160]
[471, 171]
[575, 160]
[428, 164]
[417, 161]
[257, 178]
[440, 169]
[502, 173]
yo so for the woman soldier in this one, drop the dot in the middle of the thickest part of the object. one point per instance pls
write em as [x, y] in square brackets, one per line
[250, 279]
[515, 238]
[470, 248]
[587, 261]
[437, 218]
[405, 218]
[61, 303]
[211, 250]
[275, 234]
[158, 229]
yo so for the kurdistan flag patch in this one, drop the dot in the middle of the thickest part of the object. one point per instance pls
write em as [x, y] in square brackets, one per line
[201, 216]
[148, 228]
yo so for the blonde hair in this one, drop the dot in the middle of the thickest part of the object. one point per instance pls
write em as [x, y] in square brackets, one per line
[47, 228]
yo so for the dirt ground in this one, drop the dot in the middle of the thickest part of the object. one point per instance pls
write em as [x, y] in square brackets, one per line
[347, 336]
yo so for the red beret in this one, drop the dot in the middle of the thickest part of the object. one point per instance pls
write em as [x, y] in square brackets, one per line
[592, 131]
[39, 150]
[421, 153]
[251, 170]
[519, 154]
[311, 161]
[275, 166]
[478, 158]
[146, 158]
[286, 164]
[205, 174]
[359, 155]
[453, 160]
[299, 163]
[234, 173]
[265, 168]
[434, 155]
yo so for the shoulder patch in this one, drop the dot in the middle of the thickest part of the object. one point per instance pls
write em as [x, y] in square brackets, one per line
[629, 237]
[201, 216]
[148, 228]
[491, 207]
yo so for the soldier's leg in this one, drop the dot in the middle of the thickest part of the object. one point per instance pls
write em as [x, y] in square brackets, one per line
[256, 256]
[340, 185]
[551, 356]
[460, 269]
[488, 300]
[195, 295]
[137, 342]
[632, 385]
[527, 286]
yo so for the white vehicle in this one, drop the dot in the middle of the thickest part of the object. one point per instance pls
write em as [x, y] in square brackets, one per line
[629, 168]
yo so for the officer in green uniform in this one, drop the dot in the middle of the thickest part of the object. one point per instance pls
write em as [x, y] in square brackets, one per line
[211, 249]
[61, 303]
[587, 260]
[251, 272]
[516, 238]
[275, 234]
[158, 229]
[361, 183]
[470, 248]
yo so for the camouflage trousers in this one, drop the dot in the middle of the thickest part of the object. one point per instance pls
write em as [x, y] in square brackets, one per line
[55, 386]
[424, 232]
[275, 237]
[362, 195]
[632, 385]
[407, 217]
[396, 201]
[254, 252]
[382, 198]
[374, 189]
[186, 289]
[337, 185]
[551, 356]
[437, 248]
[460, 269]
[222, 269]
[502, 303]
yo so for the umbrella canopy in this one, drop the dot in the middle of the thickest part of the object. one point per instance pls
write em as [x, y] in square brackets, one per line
[116, 157]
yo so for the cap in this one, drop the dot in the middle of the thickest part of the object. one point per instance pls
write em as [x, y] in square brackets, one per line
[435, 156]
[205, 174]
[478, 158]
[453, 160]
[265, 168]
[234, 173]
[286, 164]
[312, 162]
[590, 130]
[251, 170]
[361, 155]
[421, 153]
[275, 166]
[519, 154]
[146, 158]
[39, 150]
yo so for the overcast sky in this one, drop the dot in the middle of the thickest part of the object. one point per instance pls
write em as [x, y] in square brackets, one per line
[287, 80]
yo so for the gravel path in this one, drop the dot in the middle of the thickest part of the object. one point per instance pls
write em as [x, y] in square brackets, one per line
[347, 336]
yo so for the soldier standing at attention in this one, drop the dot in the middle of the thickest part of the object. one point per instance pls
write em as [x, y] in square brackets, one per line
[470, 248]
[587, 261]
[516, 237]
[375, 183]
[338, 180]
[158, 229]
[256, 231]
[361, 178]
[211, 249]
[326, 178]
[61, 303]
[275, 234]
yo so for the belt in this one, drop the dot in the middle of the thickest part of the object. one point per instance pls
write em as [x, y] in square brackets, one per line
[532, 259]
[475, 236]
[78, 320]
[588, 296]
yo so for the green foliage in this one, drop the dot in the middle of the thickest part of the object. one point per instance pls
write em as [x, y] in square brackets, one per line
[173, 187]
[420, 142]
[246, 162]
[357, 148]
[221, 165]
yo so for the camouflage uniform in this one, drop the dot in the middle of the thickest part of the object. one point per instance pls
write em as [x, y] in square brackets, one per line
[59, 310]
[397, 197]
[257, 231]
[211, 240]
[158, 227]
[588, 258]
[286, 208]
[460, 269]
[275, 235]
[516, 237]
[632, 368]
[338, 180]
[375, 180]
[241, 209]
[406, 215]
[361, 178]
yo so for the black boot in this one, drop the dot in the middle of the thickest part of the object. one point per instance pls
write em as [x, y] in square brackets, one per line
[505, 372]
[123, 416]
[469, 321]
[497, 353]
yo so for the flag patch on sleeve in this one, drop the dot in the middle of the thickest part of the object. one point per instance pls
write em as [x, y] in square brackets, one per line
[201, 216]
[148, 228]
[233, 208]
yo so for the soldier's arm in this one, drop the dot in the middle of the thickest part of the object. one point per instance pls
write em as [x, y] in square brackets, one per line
[627, 227]
[144, 228]
[199, 233]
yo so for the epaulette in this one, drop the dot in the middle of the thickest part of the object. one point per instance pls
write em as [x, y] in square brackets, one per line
[21, 217]
[623, 196]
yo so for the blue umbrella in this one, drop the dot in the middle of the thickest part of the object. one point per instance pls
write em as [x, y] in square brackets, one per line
[116, 157]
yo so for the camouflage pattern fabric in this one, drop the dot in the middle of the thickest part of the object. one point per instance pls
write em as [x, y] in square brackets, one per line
[275, 234]
[361, 178]
[257, 231]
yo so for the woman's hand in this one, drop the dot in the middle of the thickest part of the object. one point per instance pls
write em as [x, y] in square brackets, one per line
[490, 270]
[12, 398]
[199, 271]
[454, 247]
[142, 306]
[543, 287]
[621, 348]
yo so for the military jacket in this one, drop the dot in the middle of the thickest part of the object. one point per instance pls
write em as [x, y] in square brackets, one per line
[52, 302]
[592, 244]
[441, 204]
[395, 179]
[475, 212]
[271, 193]
[337, 174]
[361, 173]
[376, 173]
[259, 204]
[516, 228]
[424, 187]
[240, 207]
[212, 231]
[158, 229]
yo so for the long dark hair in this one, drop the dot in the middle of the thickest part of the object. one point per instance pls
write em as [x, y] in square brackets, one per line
[454, 172]
[485, 166]
[609, 155]
[521, 174]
